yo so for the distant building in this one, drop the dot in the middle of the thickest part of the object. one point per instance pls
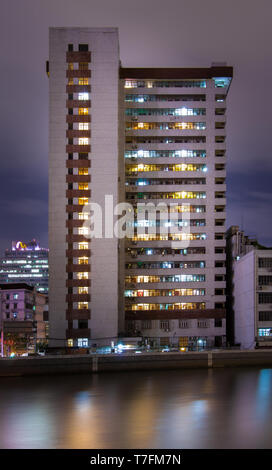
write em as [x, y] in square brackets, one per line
[22, 315]
[249, 291]
[27, 263]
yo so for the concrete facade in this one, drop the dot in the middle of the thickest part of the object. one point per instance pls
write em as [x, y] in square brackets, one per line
[98, 82]
[175, 152]
[253, 299]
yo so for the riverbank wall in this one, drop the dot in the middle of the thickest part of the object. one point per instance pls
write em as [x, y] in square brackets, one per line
[96, 363]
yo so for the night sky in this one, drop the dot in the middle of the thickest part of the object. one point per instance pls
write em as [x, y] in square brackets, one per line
[152, 33]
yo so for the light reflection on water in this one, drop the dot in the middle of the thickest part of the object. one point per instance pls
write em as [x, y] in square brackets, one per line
[223, 408]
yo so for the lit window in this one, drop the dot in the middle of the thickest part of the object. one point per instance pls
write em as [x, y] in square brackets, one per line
[83, 96]
[82, 201]
[70, 66]
[70, 343]
[83, 141]
[83, 186]
[83, 290]
[83, 126]
[83, 81]
[82, 305]
[83, 260]
[82, 342]
[82, 111]
[83, 216]
[83, 230]
[83, 246]
[83, 275]
[83, 171]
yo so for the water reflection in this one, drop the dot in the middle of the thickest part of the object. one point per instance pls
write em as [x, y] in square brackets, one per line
[223, 408]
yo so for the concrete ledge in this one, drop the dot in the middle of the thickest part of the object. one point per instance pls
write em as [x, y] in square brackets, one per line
[88, 364]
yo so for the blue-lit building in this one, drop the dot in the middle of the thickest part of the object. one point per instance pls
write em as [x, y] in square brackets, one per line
[27, 263]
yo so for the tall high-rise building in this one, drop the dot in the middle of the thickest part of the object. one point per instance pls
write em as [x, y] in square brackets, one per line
[143, 135]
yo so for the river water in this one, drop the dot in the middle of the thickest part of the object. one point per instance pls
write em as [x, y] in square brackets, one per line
[185, 409]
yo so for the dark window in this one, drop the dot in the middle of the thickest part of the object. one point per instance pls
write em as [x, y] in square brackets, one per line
[70, 141]
[70, 156]
[70, 126]
[217, 323]
[70, 111]
[265, 298]
[70, 171]
[83, 156]
[265, 316]
[265, 280]
[70, 47]
[83, 47]
[70, 96]
[265, 262]
[219, 305]
[82, 324]
[70, 186]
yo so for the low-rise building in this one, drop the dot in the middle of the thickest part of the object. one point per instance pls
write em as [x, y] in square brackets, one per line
[22, 316]
[249, 291]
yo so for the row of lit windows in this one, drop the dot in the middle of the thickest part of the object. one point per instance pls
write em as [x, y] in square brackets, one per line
[179, 139]
[171, 208]
[146, 98]
[164, 84]
[130, 170]
[165, 111]
[175, 306]
[134, 252]
[171, 195]
[163, 292]
[169, 237]
[164, 181]
[168, 223]
[165, 126]
[166, 265]
[165, 153]
[175, 278]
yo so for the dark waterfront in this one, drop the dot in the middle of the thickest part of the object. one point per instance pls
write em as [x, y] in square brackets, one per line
[216, 408]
